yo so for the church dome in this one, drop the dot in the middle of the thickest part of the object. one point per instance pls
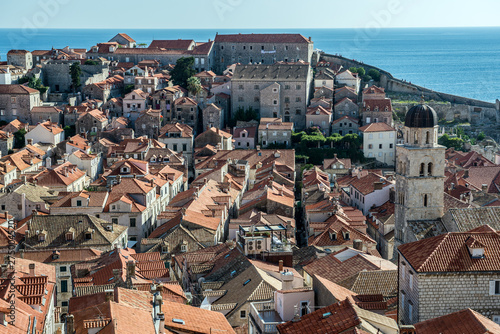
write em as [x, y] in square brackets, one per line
[421, 116]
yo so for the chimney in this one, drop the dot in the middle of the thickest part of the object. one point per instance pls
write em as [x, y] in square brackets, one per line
[484, 188]
[118, 179]
[116, 275]
[32, 269]
[6, 215]
[286, 280]
[161, 317]
[70, 324]
[30, 141]
[357, 244]
[281, 265]
[466, 174]
[152, 183]
[130, 268]
[110, 295]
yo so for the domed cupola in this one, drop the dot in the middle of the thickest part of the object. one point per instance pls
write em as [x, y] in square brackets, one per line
[421, 116]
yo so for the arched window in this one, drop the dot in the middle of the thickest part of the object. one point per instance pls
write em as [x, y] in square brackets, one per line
[425, 200]
[429, 169]
[415, 139]
[422, 169]
[427, 137]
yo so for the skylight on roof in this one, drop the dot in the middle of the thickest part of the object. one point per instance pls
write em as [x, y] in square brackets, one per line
[178, 321]
[233, 272]
[247, 281]
[110, 279]
[227, 255]
[326, 315]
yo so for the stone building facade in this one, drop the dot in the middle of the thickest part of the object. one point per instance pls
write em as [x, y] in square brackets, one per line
[213, 116]
[281, 90]
[56, 74]
[148, 124]
[456, 275]
[260, 48]
[92, 122]
[17, 101]
[346, 107]
[21, 58]
[186, 111]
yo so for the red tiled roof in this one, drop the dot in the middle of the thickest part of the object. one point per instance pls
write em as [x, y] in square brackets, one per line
[449, 253]
[465, 321]
[366, 184]
[176, 44]
[261, 38]
[376, 127]
[380, 104]
[336, 318]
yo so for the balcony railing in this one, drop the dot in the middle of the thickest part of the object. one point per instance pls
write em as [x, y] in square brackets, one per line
[262, 310]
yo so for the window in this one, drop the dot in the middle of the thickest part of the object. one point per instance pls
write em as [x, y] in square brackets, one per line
[240, 87]
[287, 99]
[494, 287]
[275, 102]
[370, 136]
[256, 99]
[88, 235]
[256, 87]
[370, 146]
[64, 304]
[287, 86]
[13, 100]
[78, 203]
[298, 99]
[380, 146]
[422, 167]
[410, 311]
[132, 222]
[381, 135]
[298, 87]
[243, 314]
[184, 147]
[411, 280]
[183, 248]
[403, 297]
[114, 220]
[240, 99]
[429, 169]
[64, 286]
[63, 269]
[391, 145]
[174, 147]
[425, 200]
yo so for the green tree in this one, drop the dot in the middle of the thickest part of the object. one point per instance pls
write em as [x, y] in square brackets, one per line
[127, 89]
[37, 84]
[141, 45]
[183, 70]
[456, 143]
[19, 140]
[91, 62]
[75, 71]
[481, 136]
[194, 85]
[375, 74]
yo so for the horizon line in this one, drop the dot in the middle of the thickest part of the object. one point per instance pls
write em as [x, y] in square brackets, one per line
[361, 27]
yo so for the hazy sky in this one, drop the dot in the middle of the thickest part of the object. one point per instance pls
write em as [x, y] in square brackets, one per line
[219, 14]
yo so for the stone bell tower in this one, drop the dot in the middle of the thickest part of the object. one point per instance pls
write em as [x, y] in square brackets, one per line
[420, 165]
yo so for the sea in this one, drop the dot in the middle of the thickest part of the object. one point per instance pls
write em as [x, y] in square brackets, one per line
[460, 61]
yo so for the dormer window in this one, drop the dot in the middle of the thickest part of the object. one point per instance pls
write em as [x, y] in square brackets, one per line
[41, 236]
[125, 170]
[88, 234]
[333, 236]
[70, 235]
[346, 235]
[476, 248]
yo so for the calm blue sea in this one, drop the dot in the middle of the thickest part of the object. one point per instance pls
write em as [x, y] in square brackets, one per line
[461, 61]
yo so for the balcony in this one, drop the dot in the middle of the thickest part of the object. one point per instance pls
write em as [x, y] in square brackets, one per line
[264, 316]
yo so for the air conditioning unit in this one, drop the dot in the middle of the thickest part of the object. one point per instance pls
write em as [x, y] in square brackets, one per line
[259, 242]
[250, 248]
[259, 247]
[250, 243]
